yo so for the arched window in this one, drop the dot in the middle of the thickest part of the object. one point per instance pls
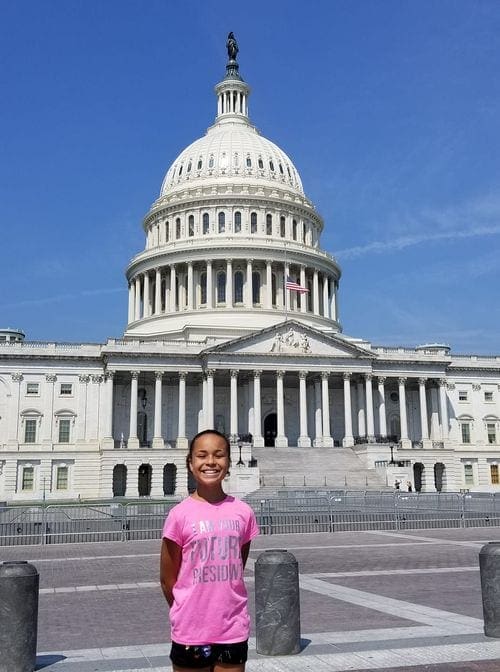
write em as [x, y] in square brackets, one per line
[206, 223]
[178, 228]
[169, 479]
[167, 231]
[294, 229]
[221, 287]
[189, 167]
[281, 169]
[211, 161]
[282, 227]
[222, 222]
[253, 222]
[274, 292]
[203, 288]
[249, 162]
[200, 164]
[261, 163]
[180, 171]
[256, 287]
[271, 166]
[238, 287]
[269, 225]
[237, 222]
[191, 225]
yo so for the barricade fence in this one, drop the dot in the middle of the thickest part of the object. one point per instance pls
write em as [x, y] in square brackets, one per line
[288, 512]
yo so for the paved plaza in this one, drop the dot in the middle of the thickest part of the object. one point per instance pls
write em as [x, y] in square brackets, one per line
[369, 601]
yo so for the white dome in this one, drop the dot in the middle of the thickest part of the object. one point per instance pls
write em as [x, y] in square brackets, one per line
[232, 148]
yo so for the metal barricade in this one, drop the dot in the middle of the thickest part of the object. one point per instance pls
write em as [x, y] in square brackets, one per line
[69, 523]
[21, 525]
[145, 520]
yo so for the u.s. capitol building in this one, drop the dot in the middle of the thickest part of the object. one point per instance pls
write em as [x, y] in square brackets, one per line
[233, 323]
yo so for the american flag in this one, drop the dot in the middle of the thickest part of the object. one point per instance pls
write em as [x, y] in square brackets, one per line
[294, 286]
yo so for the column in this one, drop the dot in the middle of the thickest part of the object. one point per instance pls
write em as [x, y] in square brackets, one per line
[325, 397]
[361, 410]
[287, 291]
[157, 436]
[382, 421]
[182, 441]
[304, 441]
[318, 420]
[402, 411]
[167, 291]
[281, 440]
[269, 285]
[443, 407]
[17, 379]
[133, 439]
[333, 301]
[157, 291]
[423, 408]
[348, 437]
[210, 417]
[131, 301]
[146, 300]
[303, 295]
[229, 283]
[48, 416]
[108, 411]
[369, 409]
[190, 286]
[210, 289]
[81, 418]
[435, 428]
[248, 284]
[315, 293]
[325, 297]
[233, 422]
[137, 298]
[258, 439]
[173, 300]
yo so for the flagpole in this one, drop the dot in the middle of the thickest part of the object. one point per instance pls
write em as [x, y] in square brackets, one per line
[285, 290]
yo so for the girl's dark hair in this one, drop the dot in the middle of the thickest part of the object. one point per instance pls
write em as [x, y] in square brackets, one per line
[197, 436]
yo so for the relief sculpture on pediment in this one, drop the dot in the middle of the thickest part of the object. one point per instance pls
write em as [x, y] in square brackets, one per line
[291, 342]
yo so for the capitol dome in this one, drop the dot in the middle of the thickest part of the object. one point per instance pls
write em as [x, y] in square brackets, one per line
[232, 242]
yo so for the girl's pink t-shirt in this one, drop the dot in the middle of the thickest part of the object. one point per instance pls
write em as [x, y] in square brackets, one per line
[210, 598]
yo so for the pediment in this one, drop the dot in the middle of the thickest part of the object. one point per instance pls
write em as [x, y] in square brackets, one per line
[292, 338]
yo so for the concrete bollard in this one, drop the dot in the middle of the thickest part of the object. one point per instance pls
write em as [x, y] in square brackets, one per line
[489, 566]
[277, 605]
[18, 616]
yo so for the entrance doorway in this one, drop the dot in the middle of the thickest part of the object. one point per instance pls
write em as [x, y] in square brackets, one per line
[270, 429]
[144, 484]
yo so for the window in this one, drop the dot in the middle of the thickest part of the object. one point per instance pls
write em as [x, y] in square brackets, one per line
[191, 225]
[271, 166]
[465, 429]
[238, 287]
[167, 231]
[281, 169]
[269, 225]
[206, 223]
[32, 388]
[249, 162]
[488, 396]
[222, 222]
[211, 161]
[180, 171]
[237, 222]
[66, 389]
[189, 167]
[255, 287]
[494, 474]
[261, 163]
[462, 395]
[282, 227]
[30, 430]
[253, 222]
[62, 477]
[294, 229]
[203, 288]
[274, 289]
[64, 430]
[28, 478]
[491, 431]
[468, 474]
[221, 287]
[177, 228]
[200, 164]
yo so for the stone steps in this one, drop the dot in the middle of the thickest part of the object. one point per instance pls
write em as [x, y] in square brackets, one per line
[338, 468]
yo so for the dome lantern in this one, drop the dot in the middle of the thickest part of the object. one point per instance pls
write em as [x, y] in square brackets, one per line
[232, 93]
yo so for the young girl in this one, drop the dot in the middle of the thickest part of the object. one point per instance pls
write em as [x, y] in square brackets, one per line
[206, 540]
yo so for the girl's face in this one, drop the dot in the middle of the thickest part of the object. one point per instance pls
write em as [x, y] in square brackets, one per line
[209, 462]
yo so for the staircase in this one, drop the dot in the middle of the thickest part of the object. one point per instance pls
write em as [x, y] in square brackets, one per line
[333, 468]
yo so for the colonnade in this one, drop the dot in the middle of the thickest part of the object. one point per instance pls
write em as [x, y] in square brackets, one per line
[232, 283]
[314, 401]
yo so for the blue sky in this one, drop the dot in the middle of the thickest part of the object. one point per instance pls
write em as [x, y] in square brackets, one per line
[390, 110]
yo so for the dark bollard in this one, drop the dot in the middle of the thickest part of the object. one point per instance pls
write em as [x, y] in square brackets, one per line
[18, 616]
[489, 566]
[277, 605]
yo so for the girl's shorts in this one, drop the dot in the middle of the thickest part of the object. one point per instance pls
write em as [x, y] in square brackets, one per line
[206, 655]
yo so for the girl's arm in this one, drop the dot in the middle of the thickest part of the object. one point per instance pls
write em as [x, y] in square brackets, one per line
[245, 549]
[170, 561]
